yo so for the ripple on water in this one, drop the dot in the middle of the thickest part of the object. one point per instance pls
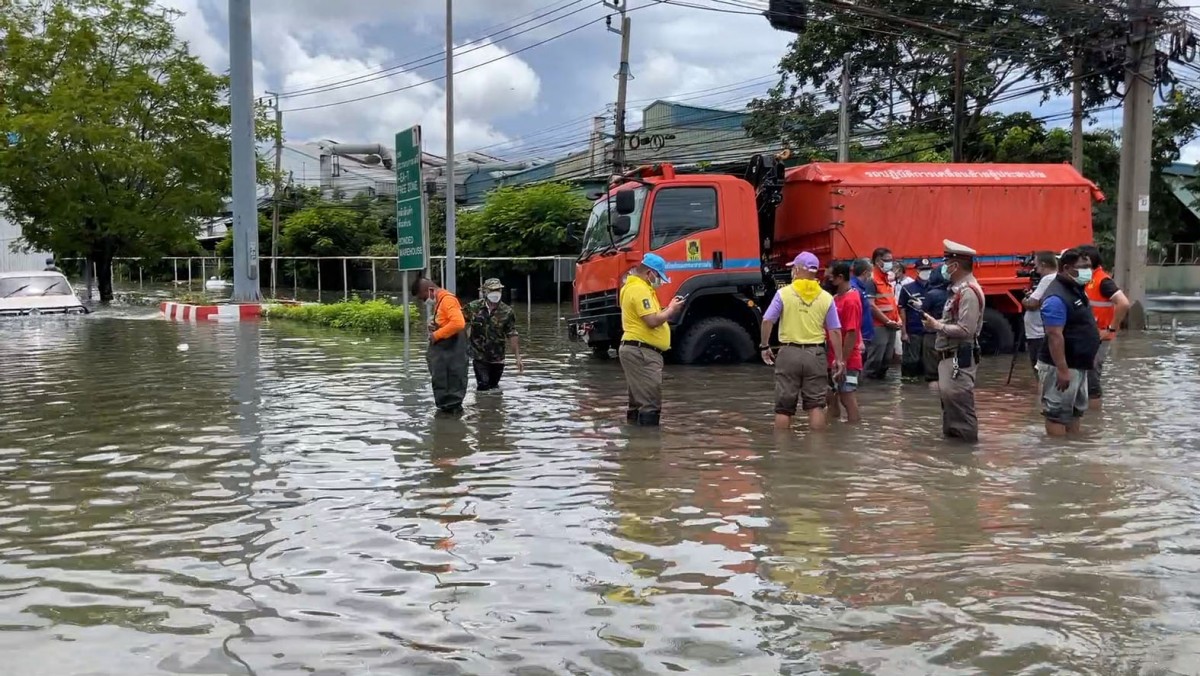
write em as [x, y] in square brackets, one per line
[278, 500]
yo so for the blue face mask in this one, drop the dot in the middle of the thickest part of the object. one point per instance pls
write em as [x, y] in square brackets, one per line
[1085, 275]
[945, 272]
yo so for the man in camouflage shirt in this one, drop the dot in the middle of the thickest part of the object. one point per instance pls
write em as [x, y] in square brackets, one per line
[491, 325]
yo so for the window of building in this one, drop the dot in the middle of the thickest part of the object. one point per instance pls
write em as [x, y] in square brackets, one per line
[679, 212]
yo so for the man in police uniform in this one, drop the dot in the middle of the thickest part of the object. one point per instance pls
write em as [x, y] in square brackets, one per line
[647, 335]
[956, 346]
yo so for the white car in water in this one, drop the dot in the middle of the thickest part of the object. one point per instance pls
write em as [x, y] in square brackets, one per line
[37, 293]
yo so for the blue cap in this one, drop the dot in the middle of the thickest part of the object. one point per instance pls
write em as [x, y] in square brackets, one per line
[657, 264]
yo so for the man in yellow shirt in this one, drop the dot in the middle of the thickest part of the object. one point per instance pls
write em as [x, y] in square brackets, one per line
[805, 312]
[646, 337]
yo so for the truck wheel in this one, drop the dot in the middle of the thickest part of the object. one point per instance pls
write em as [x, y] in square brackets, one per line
[715, 340]
[997, 336]
[601, 351]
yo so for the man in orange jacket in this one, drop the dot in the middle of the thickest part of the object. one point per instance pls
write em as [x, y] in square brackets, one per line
[447, 354]
[1109, 305]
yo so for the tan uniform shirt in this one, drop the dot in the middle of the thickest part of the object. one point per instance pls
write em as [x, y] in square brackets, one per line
[963, 315]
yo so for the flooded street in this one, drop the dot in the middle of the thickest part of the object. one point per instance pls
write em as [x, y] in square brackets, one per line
[281, 500]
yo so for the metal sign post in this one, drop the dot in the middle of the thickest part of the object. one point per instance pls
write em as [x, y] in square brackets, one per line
[412, 217]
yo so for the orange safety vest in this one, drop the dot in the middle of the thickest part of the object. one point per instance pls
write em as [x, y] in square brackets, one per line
[1103, 308]
[885, 296]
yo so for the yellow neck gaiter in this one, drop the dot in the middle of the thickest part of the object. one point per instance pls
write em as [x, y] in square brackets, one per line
[807, 289]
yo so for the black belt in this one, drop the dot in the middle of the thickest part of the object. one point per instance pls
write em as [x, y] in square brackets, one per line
[805, 345]
[638, 343]
[946, 354]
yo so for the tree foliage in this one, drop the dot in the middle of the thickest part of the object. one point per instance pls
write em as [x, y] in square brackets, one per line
[529, 220]
[902, 57]
[119, 135]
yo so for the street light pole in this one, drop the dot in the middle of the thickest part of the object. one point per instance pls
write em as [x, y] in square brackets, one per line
[451, 232]
[241, 103]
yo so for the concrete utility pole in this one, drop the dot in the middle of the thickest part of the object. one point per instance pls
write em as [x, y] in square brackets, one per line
[245, 184]
[449, 271]
[274, 103]
[623, 78]
[1133, 191]
[844, 113]
[1077, 111]
[960, 101]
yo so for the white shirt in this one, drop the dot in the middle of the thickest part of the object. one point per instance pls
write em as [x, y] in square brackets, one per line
[1033, 318]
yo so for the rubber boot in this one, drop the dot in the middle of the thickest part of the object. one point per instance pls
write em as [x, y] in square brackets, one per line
[631, 416]
[648, 419]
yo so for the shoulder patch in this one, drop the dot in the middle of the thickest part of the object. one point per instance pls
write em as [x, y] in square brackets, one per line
[646, 303]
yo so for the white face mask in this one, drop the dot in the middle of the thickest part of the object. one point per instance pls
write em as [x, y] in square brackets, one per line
[493, 296]
[887, 266]
[924, 275]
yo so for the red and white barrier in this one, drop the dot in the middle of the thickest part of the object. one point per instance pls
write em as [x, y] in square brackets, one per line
[219, 313]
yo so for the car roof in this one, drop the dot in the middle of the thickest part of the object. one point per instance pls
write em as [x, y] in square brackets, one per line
[39, 273]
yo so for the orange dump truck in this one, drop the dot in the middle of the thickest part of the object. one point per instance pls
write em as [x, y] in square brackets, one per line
[726, 238]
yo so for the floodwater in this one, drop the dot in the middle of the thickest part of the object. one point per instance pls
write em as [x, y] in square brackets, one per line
[281, 500]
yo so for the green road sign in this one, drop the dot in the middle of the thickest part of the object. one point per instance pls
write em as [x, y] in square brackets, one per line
[412, 230]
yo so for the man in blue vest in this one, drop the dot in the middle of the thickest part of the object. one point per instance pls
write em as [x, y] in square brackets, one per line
[1069, 351]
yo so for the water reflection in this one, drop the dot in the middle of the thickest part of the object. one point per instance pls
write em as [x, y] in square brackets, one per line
[277, 499]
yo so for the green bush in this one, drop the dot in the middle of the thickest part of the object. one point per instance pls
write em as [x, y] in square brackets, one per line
[374, 316]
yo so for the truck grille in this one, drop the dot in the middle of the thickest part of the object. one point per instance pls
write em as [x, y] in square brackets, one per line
[601, 303]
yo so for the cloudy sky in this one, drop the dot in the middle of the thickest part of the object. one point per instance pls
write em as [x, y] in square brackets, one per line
[539, 70]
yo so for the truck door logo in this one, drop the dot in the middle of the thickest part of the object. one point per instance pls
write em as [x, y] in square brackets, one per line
[693, 250]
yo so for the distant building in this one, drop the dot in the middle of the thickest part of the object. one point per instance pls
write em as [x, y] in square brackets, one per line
[689, 136]
[17, 261]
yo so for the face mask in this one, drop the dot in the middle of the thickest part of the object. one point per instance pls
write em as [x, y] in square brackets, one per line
[1085, 275]
[924, 275]
[830, 286]
[493, 297]
[887, 266]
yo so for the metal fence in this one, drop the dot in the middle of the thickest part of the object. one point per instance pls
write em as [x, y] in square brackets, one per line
[332, 278]
[1175, 254]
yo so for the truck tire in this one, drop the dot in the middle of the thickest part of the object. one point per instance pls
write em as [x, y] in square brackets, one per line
[997, 336]
[715, 340]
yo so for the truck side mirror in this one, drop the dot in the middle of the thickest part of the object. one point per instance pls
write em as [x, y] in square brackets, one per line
[621, 226]
[625, 202]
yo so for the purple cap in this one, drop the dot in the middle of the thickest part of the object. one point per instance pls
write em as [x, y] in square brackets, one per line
[806, 261]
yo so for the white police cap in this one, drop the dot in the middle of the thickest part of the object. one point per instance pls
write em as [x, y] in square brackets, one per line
[953, 248]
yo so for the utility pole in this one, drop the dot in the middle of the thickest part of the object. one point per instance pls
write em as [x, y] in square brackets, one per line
[1133, 191]
[450, 273]
[960, 101]
[623, 78]
[844, 113]
[245, 184]
[274, 103]
[1077, 111]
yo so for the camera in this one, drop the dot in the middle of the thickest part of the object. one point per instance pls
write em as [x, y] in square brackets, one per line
[1027, 267]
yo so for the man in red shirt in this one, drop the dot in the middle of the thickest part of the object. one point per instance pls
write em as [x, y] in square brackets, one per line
[850, 311]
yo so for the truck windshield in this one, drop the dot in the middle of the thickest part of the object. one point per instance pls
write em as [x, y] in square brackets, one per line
[596, 237]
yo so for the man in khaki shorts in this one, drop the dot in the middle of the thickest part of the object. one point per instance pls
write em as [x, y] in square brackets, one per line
[805, 312]
[647, 335]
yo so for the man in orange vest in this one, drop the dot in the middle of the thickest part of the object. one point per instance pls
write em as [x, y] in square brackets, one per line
[1109, 305]
[886, 314]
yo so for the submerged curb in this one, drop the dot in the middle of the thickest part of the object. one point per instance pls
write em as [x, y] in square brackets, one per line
[219, 313]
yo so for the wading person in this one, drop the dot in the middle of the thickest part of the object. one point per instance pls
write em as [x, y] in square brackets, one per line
[447, 354]
[1069, 351]
[50, 266]
[646, 336]
[887, 317]
[861, 281]
[1045, 265]
[850, 310]
[492, 326]
[912, 331]
[1109, 305]
[804, 312]
[957, 346]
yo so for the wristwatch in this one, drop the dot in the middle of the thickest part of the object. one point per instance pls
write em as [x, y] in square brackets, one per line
[763, 347]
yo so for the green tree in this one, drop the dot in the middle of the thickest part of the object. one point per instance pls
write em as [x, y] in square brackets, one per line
[121, 136]
[523, 221]
[902, 55]
[328, 229]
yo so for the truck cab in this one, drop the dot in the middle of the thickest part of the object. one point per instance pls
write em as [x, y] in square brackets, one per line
[705, 227]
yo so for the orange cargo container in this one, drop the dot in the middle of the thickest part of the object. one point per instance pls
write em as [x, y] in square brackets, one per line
[1003, 211]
